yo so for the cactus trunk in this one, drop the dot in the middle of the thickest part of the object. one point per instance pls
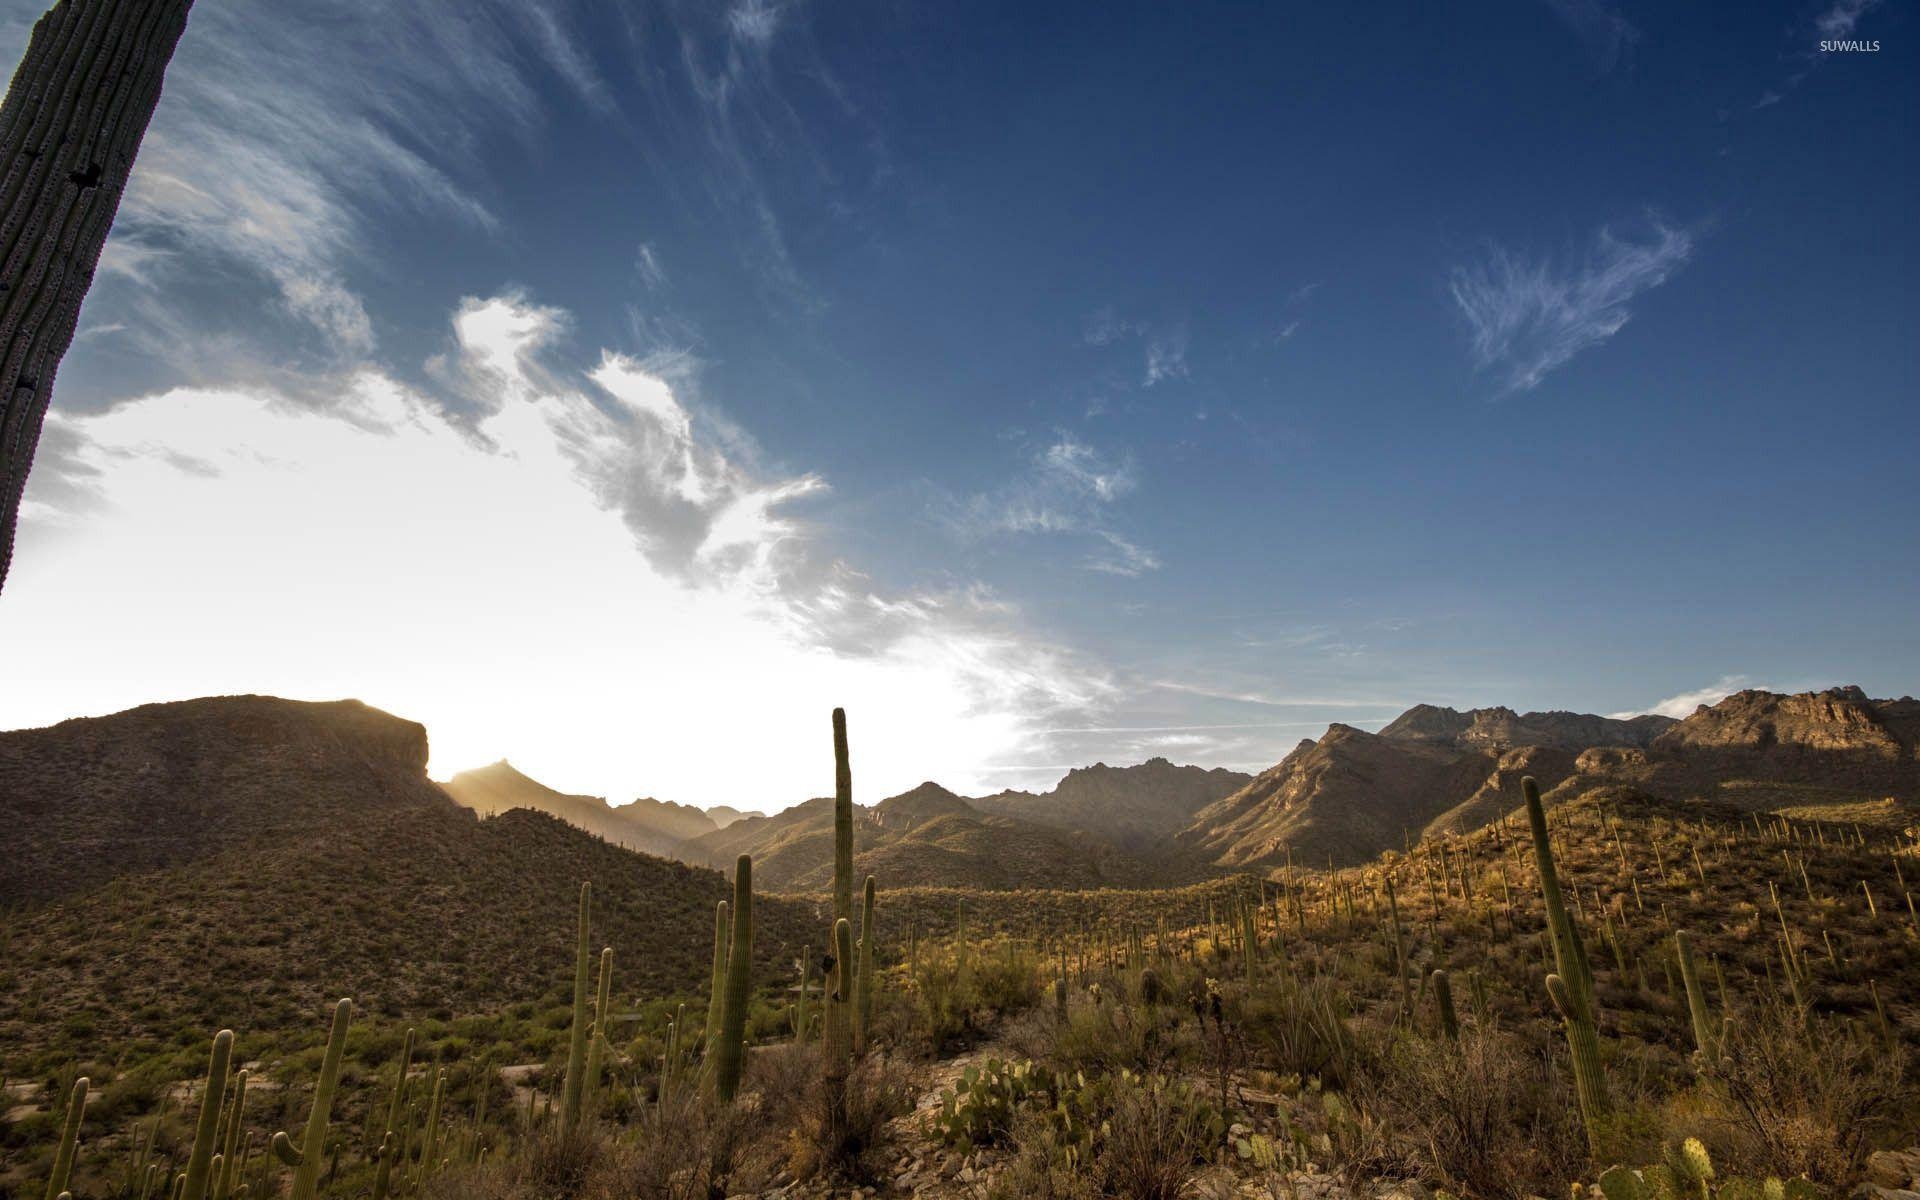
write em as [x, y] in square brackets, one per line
[733, 1016]
[193, 1185]
[73, 119]
[842, 821]
[597, 1036]
[1705, 1038]
[69, 1139]
[576, 1083]
[1571, 986]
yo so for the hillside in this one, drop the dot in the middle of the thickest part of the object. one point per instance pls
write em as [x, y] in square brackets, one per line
[295, 852]
[171, 784]
[1136, 807]
[648, 825]
[1352, 794]
[927, 837]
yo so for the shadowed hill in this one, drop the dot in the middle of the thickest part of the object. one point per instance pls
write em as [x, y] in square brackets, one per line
[241, 861]
[169, 784]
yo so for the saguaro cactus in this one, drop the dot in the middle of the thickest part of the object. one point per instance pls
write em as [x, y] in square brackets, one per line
[1443, 1000]
[72, 122]
[575, 1087]
[1705, 1037]
[305, 1158]
[1571, 986]
[193, 1182]
[730, 1053]
[69, 1139]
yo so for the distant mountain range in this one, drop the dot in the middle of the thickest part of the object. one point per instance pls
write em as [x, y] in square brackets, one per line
[1351, 794]
[929, 836]
[649, 825]
[165, 786]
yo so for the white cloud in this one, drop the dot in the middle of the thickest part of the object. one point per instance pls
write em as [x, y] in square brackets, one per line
[1069, 487]
[1166, 356]
[1682, 705]
[1839, 21]
[580, 580]
[1530, 316]
[1164, 345]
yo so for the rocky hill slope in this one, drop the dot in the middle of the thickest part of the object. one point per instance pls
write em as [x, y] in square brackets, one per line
[168, 785]
[1138, 808]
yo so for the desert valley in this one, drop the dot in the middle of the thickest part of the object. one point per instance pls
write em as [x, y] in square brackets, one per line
[1330, 978]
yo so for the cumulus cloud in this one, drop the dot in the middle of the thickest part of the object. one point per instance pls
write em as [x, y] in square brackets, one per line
[1529, 316]
[581, 579]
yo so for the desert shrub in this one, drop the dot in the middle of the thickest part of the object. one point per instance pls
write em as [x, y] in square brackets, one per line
[1109, 1036]
[1493, 1117]
[842, 1126]
[1155, 1133]
[1299, 1027]
[1806, 1096]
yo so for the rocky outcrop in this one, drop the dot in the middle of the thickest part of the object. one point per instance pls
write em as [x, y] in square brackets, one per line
[1501, 729]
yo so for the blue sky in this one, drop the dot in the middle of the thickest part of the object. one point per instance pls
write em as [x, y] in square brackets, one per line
[1056, 382]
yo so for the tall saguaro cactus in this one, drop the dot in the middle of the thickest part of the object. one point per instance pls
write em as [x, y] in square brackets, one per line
[1705, 1037]
[71, 124]
[305, 1158]
[1571, 985]
[731, 1051]
[575, 1088]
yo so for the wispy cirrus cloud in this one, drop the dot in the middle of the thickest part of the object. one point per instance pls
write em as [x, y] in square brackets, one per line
[1605, 33]
[270, 165]
[1527, 316]
[1839, 21]
[1163, 345]
[1068, 487]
